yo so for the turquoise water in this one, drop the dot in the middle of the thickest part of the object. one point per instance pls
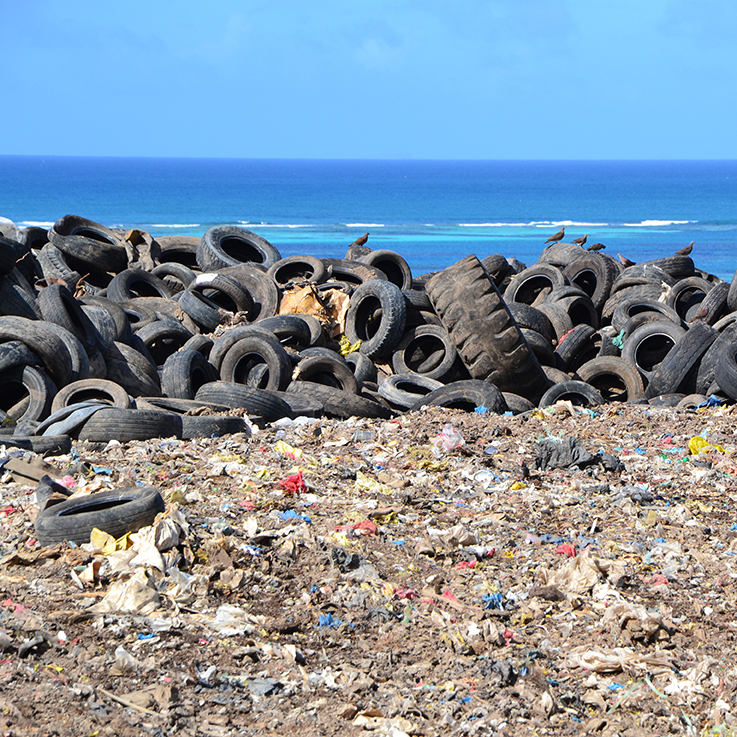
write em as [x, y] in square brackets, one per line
[432, 212]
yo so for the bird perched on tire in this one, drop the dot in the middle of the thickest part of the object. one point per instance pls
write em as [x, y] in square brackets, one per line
[557, 237]
[360, 241]
[625, 261]
[596, 247]
[686, 250]
[580, 241]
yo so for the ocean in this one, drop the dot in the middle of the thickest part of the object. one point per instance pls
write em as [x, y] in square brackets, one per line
[431, 212]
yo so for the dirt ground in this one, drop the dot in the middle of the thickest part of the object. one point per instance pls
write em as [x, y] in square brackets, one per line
[399, 586]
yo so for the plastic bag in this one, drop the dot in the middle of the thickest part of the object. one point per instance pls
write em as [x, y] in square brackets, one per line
[448, 439]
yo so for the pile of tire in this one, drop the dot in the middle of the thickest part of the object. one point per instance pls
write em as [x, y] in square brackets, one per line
[112, 335]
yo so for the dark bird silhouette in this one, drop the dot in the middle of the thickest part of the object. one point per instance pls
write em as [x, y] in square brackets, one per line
[557, 237]
[360, 241]
[580, 241]
[625, 261]
[686, 250]
[596, 247]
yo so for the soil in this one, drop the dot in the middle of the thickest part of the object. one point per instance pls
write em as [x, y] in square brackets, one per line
[395, 587]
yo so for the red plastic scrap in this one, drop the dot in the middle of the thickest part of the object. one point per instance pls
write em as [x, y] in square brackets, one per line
[366, 527]
[566, 549]
[402, 593]
[293, 484]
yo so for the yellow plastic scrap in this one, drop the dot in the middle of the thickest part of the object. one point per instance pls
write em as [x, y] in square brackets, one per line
[388, 590]
[517, 485]
[697, 445]
[107, 543]
[366, 483]
[347, 347]
[288, 450]
[429, 465]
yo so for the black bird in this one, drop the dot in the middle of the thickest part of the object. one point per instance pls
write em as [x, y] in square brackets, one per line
[360, 241]
[596, 247]
[686, 250]
[580, 241]
[557, 237]
[625, 261]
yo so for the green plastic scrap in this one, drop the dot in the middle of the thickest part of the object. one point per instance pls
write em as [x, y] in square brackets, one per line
[618, 341]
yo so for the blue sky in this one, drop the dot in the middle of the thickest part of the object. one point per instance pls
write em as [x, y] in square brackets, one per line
[469, 79]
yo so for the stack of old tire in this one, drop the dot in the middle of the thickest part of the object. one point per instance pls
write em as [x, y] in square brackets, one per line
[111, 335]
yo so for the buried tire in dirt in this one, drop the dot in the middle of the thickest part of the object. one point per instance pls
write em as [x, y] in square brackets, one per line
[116, 512]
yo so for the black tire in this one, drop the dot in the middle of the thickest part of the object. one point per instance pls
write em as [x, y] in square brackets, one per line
[200, 343]
[726, 371]
[579, 308]
[364, 369]
[350, 272]
[178, 406]
[327, 371]
[58, 305]
[465, 395]
[105, 324]
[184, 373]
[497, 267]
[615, 379]
[426, 350]
[132, 283]
[687, 293]
[691, 401]
[679, 267]
[176, 277]
[561, 254]
[396, 269]
[540, 346]
[180, 249]
[116, 512]
[81, 359]
[222, 344]
[163, 338]
[127, 367]
[43, 341]
[91, 389]
[576, 348]
[26, 393]
[14, 300]
[417, 299]
[672, 374]
[559, 318]
[14, 353]
[227, 245]
[531, 318]
[317, 332]
[256, 401]
[629, 308]
[340, 404]
[299, 270]
[43, 445]
[204, 313]
[516, 404]
[8, 255]
[212, 426]
[577, 392]
[406, 390]
[89, 242]
[301, 405]
[376, 317]
[483, 330]
[290, 330]
[260, 286]
[706, 373]
[225, 292]
[130, 424]
[533, 285]
[712, 307]
[595, 274]
[646, 292]
[252, 351]
[649, 344]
